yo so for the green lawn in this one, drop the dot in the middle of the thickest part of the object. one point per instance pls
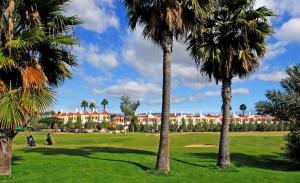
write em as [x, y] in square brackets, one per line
[131, 158]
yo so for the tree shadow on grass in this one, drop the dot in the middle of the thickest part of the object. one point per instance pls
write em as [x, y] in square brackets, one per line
[271, 162]
[87, 152]
[188, 163]
[15, 159]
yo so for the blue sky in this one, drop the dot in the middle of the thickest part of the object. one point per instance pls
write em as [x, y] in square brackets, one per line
[114, 61]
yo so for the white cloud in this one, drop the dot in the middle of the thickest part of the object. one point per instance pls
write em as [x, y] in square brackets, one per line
[146, 58]
[275, 50]
[240, 91]
[92, 54]
[204, 95]
[289, 31]
[272, 77]
[137, 89]
[290, 7]
[96, 15]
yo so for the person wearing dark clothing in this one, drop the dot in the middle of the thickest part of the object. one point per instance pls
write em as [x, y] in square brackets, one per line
[30, 141]
[49, 140]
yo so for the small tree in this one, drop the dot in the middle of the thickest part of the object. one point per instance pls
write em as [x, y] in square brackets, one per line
[52, 122]
[92, 106]
[84, 105]
[243, 108]
[104, 103]
[89, 125]
[129, 107]
[78, 124]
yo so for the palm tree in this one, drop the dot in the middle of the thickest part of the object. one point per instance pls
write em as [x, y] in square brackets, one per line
[34, 58]
[243, 108]
[84, 105]
[162, 21]
[285, 106]
[92, 106]
[230, 44]
[104, 102]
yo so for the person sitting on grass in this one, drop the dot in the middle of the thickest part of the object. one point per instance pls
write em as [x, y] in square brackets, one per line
[49, 140]
[30, 141]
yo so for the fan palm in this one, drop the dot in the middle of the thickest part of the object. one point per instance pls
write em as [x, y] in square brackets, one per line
[243, 108]
[230, 44]
[92, 106]
[34, 58]
[84, 105]
[104, 102]
[162, 21]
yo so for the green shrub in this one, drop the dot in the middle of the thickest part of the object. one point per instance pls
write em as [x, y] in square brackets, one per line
[292, 148]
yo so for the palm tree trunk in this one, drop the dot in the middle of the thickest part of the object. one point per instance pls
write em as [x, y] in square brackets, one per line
[5, 152]
[163, 162]
[224, 156]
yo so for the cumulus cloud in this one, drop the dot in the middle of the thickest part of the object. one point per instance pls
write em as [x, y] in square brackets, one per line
[281, 7]
[272, 77]
[289, 31]
[92, 54]
[201, 96]
[275, 49]
[97, 15]
[146, 58]
[136, 89]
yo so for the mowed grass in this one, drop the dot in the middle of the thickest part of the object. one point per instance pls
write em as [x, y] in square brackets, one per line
[256, 157]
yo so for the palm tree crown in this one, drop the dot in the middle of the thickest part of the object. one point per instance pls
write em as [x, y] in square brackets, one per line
[173, 17]
[104, 102]
[92, 106]
[232, 41]
[243, 108]
[84, 105]
[34, 56]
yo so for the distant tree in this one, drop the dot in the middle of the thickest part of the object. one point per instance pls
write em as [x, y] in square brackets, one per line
[104, 103]
[89, 124]
[92, 106]
[243, 108]
[129, 107]
[84, 105]
[78, 125]
[51, 121]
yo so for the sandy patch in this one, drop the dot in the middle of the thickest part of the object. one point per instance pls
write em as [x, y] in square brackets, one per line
[201, 145]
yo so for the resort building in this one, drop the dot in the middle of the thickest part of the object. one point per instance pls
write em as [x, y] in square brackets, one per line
[150, 119]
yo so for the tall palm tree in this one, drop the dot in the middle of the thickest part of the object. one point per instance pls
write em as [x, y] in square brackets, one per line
[230, 44]
[104, 102]
[162, 21]
[34, 58]
[84, 105]
[92, 106]
[243, 108]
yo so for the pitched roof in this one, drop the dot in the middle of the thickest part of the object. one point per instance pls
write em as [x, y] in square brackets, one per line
[104, 113]
[95, 113]
[85, 113]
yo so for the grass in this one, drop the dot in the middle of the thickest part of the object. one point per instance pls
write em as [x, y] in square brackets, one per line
[256, 157]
